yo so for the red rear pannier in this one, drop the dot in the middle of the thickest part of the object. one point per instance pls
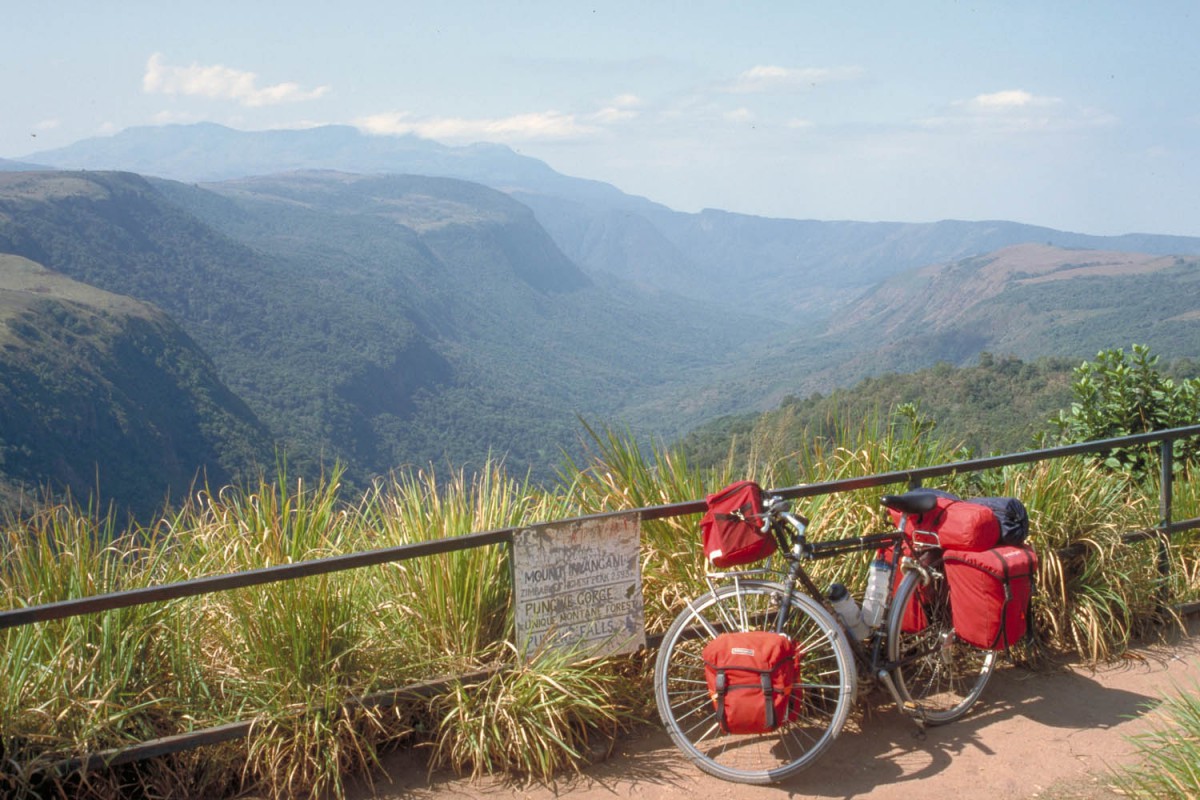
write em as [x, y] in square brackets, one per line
[958, 524]
[914, 613]
[729, 530]
[989, 594]
[750, 677]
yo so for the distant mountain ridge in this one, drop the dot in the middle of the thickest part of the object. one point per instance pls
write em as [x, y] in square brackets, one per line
[783, 266]
[7, 165]
[941, 296]
[207, 152]
[1027, 299]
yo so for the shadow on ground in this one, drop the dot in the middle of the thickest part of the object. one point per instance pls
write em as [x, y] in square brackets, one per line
[1031, 730]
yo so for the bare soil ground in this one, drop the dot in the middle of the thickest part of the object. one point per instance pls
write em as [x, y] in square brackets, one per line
[1052, 735]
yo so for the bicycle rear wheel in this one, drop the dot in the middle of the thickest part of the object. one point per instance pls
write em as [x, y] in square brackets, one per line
[937, 674]
[825, 684]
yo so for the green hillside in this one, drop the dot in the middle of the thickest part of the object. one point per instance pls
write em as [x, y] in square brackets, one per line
[101, 393]
[1031, 301]
[996, 405]
[374, 321]
[527, 341]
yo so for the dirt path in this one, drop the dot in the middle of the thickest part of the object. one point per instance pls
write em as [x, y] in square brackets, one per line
[1043, 735]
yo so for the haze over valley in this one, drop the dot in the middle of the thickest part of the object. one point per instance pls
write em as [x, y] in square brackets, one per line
[389, 302]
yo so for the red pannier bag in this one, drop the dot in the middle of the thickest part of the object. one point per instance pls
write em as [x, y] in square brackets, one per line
[729, 530]
[914, 619]
[751, 677]
[989, 594]
[958, 524]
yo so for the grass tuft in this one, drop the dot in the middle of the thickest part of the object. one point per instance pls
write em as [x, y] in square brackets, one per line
[533, 720]
[1169, 767]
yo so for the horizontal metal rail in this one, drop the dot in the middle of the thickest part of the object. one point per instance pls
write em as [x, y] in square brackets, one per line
[285, 572]
[303, 569]
[240, 580]
[232, 731]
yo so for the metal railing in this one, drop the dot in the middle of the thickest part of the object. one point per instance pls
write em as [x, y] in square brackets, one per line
[286, 572]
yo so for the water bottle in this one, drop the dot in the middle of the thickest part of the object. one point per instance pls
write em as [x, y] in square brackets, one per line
[878, 583]
[847, 610]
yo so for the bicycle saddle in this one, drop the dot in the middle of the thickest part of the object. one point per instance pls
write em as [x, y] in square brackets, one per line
[914, 502]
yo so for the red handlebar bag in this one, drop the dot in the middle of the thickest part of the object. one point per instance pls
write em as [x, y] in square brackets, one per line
[729, 529]
[751, 679]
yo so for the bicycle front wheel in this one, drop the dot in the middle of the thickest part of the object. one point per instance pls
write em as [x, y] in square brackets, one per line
[825, 684]
[938, 675]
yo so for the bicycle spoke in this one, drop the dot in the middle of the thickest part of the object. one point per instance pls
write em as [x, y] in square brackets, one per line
[823, 688]
[937, 673]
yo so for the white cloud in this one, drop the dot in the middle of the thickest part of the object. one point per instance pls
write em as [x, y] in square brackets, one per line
[621, 108]
[1016, 111]
[520, 127]
[766, 78]
[221, 83]
[739, 115]
[611, 114]
[1010, 99]
[47, 124]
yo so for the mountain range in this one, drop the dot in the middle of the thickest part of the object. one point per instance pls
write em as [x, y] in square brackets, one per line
[389, 301]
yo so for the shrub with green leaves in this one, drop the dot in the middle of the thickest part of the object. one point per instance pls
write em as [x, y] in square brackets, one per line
[1120, 394]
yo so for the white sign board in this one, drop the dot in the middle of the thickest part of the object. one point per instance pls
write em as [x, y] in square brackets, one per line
[579, 585]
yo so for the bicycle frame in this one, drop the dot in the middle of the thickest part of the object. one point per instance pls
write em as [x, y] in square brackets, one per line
[789, 530]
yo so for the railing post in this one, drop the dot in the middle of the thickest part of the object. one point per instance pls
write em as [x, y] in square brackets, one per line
[1166, 488]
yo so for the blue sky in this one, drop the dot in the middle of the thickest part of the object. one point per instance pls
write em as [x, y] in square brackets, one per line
[1082, 116]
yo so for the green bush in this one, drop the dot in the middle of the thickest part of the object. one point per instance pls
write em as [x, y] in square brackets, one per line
[1120, 394]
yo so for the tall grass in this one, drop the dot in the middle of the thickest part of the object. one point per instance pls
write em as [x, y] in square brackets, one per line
[289, 654]
[1185, 547]
[533, 720]
[1169, 767]
[80, 684]
[1101, 594]
[451, 612]
[460, 600]
[620, 475]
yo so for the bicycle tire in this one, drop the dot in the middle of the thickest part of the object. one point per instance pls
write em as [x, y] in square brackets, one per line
[939, 676]
[826, 683]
